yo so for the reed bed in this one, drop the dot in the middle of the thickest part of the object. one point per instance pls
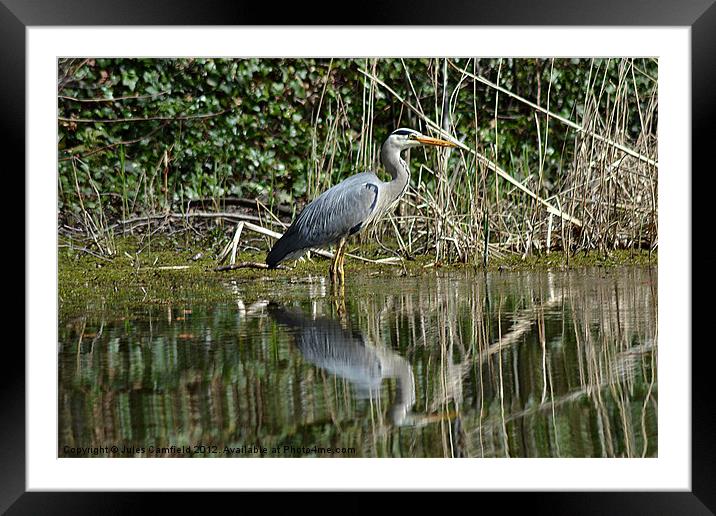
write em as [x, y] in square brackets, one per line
[585, 177]
[468, 206]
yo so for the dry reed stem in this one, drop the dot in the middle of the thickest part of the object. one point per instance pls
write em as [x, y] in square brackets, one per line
[490, 164]
[558, 117]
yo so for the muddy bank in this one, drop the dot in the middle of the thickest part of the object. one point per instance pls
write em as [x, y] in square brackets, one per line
[168, 271]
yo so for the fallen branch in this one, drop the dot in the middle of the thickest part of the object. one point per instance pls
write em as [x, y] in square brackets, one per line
[320, 252]
[248, 265]
[238, 201]
[167, 268]
[200, 215]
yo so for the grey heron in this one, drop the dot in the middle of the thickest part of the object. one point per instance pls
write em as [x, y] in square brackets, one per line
[350, 206]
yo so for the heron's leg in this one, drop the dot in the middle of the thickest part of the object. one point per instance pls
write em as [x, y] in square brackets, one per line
[333, 269]
[336, 269]
[341, 260]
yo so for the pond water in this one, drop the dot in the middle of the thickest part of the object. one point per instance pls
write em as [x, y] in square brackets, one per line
[454, 364]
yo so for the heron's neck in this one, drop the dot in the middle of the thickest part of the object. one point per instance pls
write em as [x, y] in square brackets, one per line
[398, 170]
[395, 366]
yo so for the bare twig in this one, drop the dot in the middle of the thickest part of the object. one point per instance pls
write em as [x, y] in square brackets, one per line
[116, 99]
[140, 119]
[74, 151]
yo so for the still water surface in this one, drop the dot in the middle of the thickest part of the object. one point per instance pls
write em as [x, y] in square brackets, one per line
[519, 364]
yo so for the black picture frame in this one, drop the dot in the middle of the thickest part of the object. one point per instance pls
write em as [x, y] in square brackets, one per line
[699, 15]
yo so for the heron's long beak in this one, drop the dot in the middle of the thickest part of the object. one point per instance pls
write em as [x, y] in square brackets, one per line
[427, 140]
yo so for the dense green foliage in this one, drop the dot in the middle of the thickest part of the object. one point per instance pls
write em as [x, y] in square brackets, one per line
[150, 134]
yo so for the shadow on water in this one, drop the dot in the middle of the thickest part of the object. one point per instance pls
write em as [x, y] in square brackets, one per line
[533, 364]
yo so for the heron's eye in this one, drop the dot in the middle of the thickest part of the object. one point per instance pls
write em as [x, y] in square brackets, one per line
[412, 136]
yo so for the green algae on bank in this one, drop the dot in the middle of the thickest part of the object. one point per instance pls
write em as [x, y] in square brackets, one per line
[613, 258]
[168, 272]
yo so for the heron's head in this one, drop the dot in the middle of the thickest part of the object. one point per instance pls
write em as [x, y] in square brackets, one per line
[407, 138]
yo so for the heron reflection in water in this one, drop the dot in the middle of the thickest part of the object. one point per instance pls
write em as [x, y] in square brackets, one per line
[347, 354]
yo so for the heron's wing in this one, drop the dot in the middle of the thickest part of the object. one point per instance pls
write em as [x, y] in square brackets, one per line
[340, 211]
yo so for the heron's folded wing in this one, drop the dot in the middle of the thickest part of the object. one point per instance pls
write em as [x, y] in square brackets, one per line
[338, 212]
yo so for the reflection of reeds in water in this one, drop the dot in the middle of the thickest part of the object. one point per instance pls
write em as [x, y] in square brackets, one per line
[554, 364]
[555, 353]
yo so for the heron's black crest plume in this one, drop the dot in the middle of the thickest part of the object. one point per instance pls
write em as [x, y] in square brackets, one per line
[403, 132]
